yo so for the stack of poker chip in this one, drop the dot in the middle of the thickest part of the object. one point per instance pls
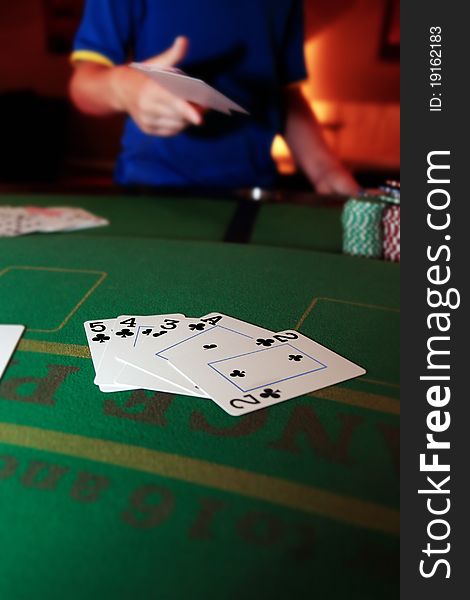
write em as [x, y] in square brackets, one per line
[391, 220]
[391, 228]
[390, 192]
[371, 223]
[362, 227]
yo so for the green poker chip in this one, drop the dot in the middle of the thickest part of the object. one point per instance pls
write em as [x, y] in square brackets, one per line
[362, 227]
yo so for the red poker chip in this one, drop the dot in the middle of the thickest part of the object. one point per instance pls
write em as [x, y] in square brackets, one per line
[391, 239]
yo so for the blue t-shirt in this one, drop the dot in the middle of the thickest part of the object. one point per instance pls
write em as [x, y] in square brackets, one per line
[247, 49]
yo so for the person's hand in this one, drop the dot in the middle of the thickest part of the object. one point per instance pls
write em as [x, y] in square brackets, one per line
[336, 180]
[156, 111]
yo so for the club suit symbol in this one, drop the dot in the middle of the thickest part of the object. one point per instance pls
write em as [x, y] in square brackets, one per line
[263, 342]
[269, 393]
[237, 373]
[101, 338]
[124, 333]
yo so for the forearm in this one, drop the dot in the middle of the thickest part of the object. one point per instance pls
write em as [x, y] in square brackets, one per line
[99, 90]
[304, 137]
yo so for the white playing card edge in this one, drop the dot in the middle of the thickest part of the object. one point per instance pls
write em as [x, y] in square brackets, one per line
[17, 332]
[184, 390]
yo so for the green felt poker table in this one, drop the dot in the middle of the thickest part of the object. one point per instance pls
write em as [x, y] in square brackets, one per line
[148, 495]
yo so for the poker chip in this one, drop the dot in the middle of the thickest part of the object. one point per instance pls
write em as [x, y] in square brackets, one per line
[391, 233]
[362, 227]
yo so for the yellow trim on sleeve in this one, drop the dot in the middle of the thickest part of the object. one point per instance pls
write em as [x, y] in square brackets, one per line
[91, 56]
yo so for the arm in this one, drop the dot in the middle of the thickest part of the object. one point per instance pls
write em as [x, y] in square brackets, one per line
[305, 139]
[101, 90]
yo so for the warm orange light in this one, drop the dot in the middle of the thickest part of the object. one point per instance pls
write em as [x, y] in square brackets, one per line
[282, 156]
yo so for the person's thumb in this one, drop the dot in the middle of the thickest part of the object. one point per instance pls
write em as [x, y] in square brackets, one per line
[171, 57]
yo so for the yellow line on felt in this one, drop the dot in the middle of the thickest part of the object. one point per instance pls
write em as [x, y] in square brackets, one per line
[314, 302]
[379, 382]
[74, 310]
[102, 277]
[306, 313]
[286, 493]
[360, 399]
[57, 269]
[40, 347]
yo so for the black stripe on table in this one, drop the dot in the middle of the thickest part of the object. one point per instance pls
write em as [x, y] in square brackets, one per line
[243, 222]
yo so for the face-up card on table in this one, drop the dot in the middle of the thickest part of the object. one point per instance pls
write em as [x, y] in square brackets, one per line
[189, 88]
[144, 355]
[149, 340]
[243, 375]
[122, 339]
[141, 379]
[98, 334]
[9, 337]
[228, 322]
[62, 218]
[23, 220]
[151, 344]
[241, 329]
[127, 329]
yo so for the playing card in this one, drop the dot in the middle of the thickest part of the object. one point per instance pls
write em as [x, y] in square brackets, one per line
[9, 338]
[127, 329]
[10, 221]
[151, 343]
[189, 88]
[98, 335]
[149, 340]
[228, 322]
[243, 375]
[28, 219]
[138, 378]
[62, 218]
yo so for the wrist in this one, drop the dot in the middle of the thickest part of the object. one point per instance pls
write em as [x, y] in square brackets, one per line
[121, 85]
[322, 169]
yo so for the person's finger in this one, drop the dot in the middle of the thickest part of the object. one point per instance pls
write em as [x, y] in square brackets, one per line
[172, 124]
[171, 57]
[172, 108]
[200, 109]
[157, 101]
[189, 112]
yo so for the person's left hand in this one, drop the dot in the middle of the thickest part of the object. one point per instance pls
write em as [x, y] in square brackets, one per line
[336, 179]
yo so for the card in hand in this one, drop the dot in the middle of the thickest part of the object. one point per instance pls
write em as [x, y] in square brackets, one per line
[189, 88]
[243, 375]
